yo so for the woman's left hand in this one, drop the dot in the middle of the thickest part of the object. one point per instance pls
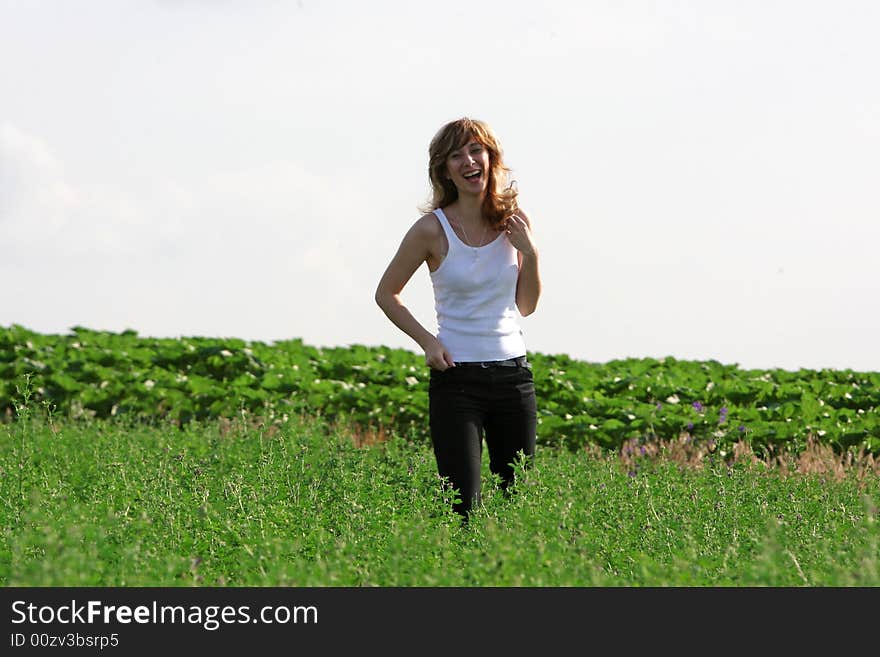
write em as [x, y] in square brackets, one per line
[520, 235]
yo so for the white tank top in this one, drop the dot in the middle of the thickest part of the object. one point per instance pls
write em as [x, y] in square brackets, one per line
[475, 299]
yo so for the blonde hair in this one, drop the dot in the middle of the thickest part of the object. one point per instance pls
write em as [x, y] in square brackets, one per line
[500, 201]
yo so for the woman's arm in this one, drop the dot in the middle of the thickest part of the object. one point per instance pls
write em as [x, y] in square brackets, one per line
[413, 251]
[528, 285]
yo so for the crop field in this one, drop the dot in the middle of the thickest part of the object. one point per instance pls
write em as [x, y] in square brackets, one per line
[128, 461]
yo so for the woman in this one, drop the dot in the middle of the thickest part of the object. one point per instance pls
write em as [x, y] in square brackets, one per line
[483, 264]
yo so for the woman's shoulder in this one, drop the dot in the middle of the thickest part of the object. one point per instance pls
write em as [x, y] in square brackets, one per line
[428, 225]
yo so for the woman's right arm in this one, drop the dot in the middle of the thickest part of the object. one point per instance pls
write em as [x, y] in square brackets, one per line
[415, 248]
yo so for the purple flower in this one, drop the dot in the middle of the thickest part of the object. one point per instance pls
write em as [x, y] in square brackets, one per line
[697, 405]
[658, 406]
[690, 426]
[722, 415]
[742, 427]
[643, 450]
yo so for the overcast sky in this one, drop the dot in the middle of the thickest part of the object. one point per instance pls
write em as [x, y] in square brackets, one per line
[703, 176]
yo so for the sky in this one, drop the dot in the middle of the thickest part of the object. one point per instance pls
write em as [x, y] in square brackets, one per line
[702, 176]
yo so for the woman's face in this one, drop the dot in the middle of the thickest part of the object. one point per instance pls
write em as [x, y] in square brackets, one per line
[468, 167]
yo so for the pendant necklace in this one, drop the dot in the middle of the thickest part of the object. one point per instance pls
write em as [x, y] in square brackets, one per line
[475, 249]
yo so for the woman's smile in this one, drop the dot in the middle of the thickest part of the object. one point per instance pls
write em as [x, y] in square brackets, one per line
[473, 175]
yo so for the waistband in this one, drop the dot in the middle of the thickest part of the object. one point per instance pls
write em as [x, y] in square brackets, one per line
[521, 361]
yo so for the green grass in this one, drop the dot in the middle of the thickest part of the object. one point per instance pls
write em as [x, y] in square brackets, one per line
[297, 503]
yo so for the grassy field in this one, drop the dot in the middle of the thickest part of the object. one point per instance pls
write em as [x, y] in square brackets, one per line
[299, 502]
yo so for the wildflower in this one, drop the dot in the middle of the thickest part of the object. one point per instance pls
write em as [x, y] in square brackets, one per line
[697, 405]
[722, 415]
[742, 428]
[690, 426]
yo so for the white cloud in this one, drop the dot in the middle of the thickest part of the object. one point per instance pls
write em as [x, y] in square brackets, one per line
[237, 252]
[42, 212]
[34, 197]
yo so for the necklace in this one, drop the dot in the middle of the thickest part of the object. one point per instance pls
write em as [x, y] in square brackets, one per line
[474, 248]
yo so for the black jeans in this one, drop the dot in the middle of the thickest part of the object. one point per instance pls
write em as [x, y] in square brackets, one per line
[467, 404]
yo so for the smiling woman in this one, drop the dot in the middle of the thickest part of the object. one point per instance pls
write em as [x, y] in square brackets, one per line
[483, 263]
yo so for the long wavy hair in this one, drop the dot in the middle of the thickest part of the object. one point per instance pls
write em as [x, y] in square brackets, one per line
[500, 200]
